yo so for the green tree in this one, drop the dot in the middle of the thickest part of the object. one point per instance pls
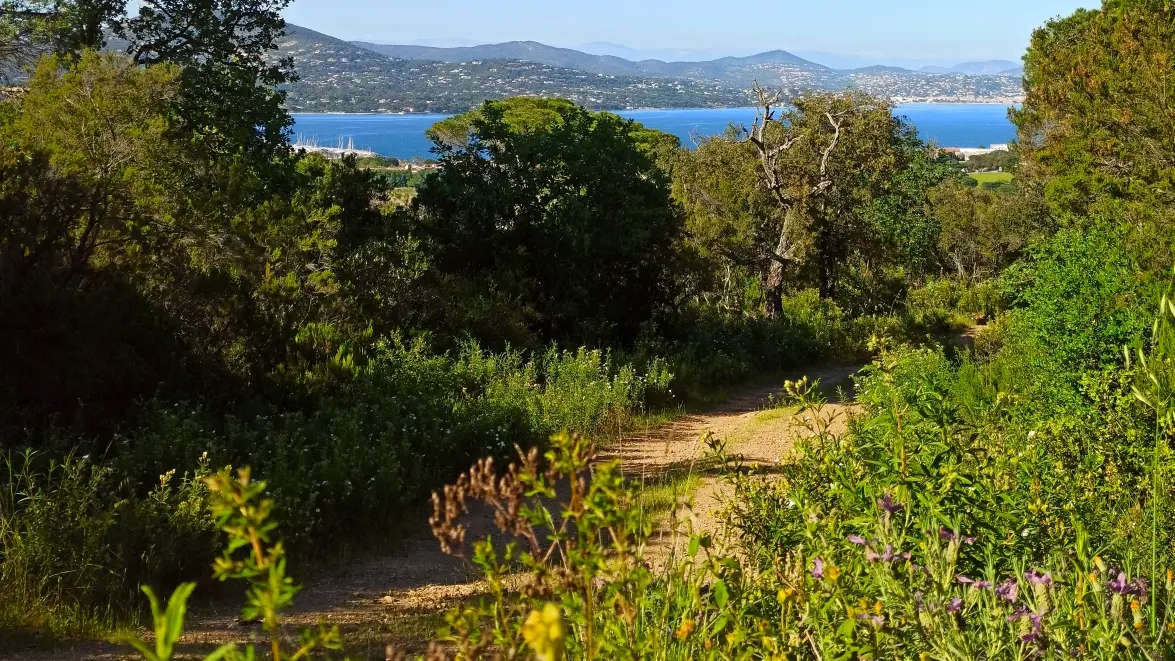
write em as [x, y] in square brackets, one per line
[572, 221]
[229, 101]
[65, 27]
[805, 189]
[1097, 128]
[185, 267]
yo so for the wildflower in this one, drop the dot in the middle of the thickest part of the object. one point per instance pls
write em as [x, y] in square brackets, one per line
[1139, 587]
[875, 620]
[887, 503]
[1035, 632]
[857, 539]
[1136, 610]
[947, 535]
[982, 585]
[833, 573]
[543, 632]
[955, 605]
[686, 628]
[969, 540]
[1008, 590]
[1036, 578]
[964, 579]
[1119, 585]
[818, 568]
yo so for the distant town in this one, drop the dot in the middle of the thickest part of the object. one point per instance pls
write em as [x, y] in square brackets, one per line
[342, 76]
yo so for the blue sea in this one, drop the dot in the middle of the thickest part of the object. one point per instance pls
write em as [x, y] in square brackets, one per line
[402, 136]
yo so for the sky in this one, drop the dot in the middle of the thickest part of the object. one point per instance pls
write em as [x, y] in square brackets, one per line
[885, 31]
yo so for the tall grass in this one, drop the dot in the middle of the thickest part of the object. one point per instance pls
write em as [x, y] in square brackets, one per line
[79, 534]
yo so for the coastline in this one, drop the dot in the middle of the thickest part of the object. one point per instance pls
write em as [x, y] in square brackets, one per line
[401, 135]
[1009, 101]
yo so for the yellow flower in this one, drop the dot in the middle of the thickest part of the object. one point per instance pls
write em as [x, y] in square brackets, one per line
[833, 573]
[543, 631]
[686, 628]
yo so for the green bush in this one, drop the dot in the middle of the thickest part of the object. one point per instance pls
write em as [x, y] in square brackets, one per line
[347, 470]
[75, 543]
[707, 350]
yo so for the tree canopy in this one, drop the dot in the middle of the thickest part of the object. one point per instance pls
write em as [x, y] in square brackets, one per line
[570, 218]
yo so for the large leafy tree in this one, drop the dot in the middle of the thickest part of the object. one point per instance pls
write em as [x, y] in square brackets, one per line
[230, 101]
[571, 220]
[65, 27]
[794, 197]
[105, 243]
[1098, 121]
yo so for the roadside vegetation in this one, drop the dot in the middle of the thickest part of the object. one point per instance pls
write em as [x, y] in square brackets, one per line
[183, 296]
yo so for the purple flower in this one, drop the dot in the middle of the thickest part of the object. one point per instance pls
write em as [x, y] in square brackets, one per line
[982, 585]
[877, 620]
[965, 580]
[1033, 635]
[818, 568]
[947, 535]
[968, 540]
[955, 605]
[1139, 588]
[1008, 590]
[1017, 614]
[857, 539]
[886, 503]
[1119, 584]
[1036, 578]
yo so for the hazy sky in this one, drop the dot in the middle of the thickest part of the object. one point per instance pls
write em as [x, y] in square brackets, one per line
[895, 29]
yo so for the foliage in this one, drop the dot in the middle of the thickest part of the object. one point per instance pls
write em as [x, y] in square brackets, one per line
[74, 540]
[572, 224]
[81, 534]
[830, 188]
[1078, 302]
[1096, 125]
[981, 231]
[1002, 161]
[243, 514]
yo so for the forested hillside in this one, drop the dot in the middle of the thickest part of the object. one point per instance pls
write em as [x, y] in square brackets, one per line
[225, 359]
[336, 76]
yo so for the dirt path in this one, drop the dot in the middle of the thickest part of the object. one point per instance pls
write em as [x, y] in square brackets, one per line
[401, 598]
[761, 434]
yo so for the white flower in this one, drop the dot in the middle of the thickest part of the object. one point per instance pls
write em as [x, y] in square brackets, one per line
[1032, 434]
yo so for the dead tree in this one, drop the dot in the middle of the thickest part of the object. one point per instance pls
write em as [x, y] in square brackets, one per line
[772, 139]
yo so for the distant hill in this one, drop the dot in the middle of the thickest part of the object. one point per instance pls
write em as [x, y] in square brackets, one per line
[341, 76]
[878, 68]
[338, 76]
[988, 68]
[739, 71]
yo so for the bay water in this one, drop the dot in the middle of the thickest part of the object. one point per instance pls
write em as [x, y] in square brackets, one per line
[402, 136]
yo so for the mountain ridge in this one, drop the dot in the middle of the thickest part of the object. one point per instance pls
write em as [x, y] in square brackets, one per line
[342, 76]
[617, 65]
